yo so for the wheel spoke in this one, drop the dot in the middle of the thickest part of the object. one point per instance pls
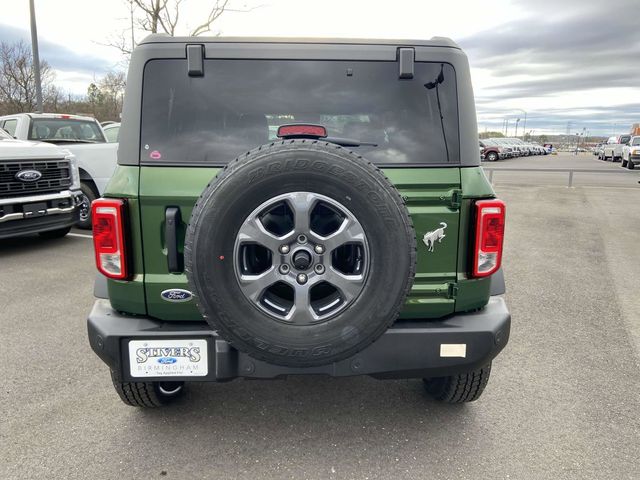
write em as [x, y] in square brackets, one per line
[349, 232]
[301, 312]
[301, 204]
[349, 286]
[254, 285]
[252, 231]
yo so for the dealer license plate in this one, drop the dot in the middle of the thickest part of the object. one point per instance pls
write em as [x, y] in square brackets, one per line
[168, 358]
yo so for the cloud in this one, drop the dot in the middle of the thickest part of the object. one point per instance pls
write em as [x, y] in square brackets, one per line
[560, 48]
[58, 56]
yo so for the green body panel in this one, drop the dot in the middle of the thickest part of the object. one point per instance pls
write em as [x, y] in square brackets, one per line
[473, 293]
[129, 296]
[432, 195]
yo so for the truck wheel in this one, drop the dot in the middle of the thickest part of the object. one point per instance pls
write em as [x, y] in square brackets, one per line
[88, 196]
[59, 233]
[492, 157]
[314, 253]
[623, 162]
[146, 394]
[465, 387]
[630, 164]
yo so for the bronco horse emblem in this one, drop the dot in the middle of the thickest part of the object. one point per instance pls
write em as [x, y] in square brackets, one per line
[430, 238]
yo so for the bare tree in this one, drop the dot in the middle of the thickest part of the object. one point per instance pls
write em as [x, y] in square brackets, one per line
[17, 82]
[162, 16]
[105, 96]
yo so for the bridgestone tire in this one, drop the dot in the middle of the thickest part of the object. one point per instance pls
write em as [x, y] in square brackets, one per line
[300, 166]
[465, 387]
[147, 394]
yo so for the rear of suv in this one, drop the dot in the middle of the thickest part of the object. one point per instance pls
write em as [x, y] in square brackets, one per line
[298, 207]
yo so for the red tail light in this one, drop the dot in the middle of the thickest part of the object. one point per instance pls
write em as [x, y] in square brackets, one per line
[490, 215]
[301, 130]
[107, 216]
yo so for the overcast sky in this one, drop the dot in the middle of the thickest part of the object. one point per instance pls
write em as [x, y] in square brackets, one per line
[560, 61]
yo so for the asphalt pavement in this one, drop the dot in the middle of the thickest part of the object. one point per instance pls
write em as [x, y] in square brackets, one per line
[562, 402]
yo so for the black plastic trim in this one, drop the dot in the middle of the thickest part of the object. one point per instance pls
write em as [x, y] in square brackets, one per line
[173, 219]
[409, 349]
[406, 58]
[195, 60]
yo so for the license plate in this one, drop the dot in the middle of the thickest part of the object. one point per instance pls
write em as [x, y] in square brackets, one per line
[168, 358]
[35, 209]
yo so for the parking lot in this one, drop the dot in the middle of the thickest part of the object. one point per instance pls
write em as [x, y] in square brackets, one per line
[562, 403]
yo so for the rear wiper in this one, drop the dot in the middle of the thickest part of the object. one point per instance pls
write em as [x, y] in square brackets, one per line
[65, 140]
[349, 142]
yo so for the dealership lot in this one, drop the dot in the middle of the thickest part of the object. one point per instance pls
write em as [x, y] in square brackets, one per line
[562, 402]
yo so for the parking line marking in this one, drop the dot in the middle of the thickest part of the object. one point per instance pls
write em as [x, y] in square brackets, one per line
[81, 235]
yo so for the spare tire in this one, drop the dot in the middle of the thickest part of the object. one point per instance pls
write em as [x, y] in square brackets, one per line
[300, 253]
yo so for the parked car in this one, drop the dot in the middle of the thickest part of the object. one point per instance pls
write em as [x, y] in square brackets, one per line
[631, 153]
[39, 188]
[111, 132]
[83, 136]
[301, 254]
[491, 152]
[613, 148]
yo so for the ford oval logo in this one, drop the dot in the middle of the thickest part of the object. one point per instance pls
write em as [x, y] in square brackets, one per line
[167, 360]
[28, 175]
[176, 295]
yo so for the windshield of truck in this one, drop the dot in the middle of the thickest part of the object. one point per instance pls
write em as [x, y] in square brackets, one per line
[239, 105]
[65, 130]
[635, 141]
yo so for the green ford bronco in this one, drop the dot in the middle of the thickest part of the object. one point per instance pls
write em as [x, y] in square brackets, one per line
[298, 207]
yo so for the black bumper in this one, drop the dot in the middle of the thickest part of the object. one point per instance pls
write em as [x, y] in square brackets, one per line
[56, 214]
[407, 350]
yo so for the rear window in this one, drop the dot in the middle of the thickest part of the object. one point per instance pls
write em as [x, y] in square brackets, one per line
[65, 129]
[239, 104]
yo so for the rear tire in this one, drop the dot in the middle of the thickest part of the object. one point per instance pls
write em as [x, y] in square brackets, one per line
[492, 157]
[59, 233]
[630, 165]
[146, 394]
[623, 163]
[462, 388]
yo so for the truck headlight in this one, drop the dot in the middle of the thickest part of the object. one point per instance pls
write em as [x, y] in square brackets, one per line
[75, 173]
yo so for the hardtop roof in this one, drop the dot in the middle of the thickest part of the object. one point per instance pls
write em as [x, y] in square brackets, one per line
[433, 42]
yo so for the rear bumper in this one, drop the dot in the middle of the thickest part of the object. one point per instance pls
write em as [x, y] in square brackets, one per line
[38, 213]
[407, 350]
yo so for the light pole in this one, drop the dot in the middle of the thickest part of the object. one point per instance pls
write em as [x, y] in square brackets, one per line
[517, 121]
[524, 123]
[36, 56]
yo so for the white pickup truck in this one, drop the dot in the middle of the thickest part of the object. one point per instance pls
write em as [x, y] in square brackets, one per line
[83, 136]
[613, 148]
[39, 189]
[631, 153]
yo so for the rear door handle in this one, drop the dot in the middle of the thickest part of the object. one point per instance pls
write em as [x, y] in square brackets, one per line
[172, 220]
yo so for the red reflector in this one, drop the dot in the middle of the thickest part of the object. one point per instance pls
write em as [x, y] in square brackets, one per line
[107, 216]
[490, 218]
[301, 130]
[65, 116]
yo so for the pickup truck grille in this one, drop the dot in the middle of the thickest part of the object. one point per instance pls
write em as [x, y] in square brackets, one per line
[56, 176]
